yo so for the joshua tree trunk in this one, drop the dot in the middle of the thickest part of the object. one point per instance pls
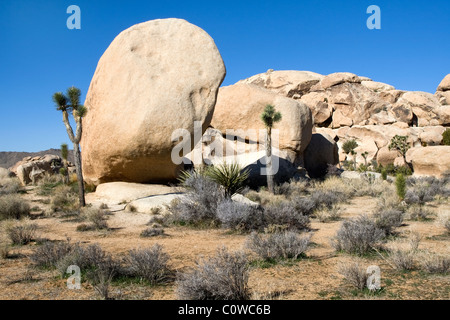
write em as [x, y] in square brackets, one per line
[76, 147]
[270, 183]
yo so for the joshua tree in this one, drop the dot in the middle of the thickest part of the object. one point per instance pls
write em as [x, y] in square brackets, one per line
[364, 155]
[71, 103]
[65, 169]
[349, 148]
[270, 117]
[400, 144]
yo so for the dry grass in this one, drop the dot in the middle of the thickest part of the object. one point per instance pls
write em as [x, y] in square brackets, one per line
[12, 206]
[310, 278]
[329, 214]
[443, 220]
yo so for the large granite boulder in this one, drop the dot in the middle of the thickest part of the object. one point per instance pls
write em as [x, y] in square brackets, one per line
[154, 78]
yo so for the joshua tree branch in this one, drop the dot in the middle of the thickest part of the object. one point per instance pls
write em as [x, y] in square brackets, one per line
[68, 127]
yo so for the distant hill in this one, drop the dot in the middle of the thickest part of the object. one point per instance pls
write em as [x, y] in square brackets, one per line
[10, 158]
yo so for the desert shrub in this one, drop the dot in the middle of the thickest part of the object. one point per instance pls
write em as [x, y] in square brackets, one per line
[340, 188]
[148, 264]
[446, 137]
[50, 253]
[221, 277]
[388, 219]
[384, 174]
[402, 259]
[354, 274]
[423, 190]
[444, 220]
[277, 246]
[283, 189]
[358, 236]
[22, 233]
[325, 199]
[96, 218]
[253, 196]
[48, 183]
[328, 214]
[87, 258]
[368, 185]
[298, 188]
[240, 216]
[199, 205]
[433, 263]
[152, 232]
[64, 198]
[418, 213]
[307, 205]
[103, 206]
[12, 206]
[4, 250]
[286, 214]
[9, 186]
[389, 200]
[400, 185]
[101, 278]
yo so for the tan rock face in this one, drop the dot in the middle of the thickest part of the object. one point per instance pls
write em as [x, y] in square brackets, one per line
[154, 78]
[445, 84]
[30, 170]
[423, 105]
[432, 136]
[318, 103]
[377, 86]
[386, 156]
[240, 106]
[292, 84]
[443, 97]
[431, 161]
[353, 104]
[338, 78]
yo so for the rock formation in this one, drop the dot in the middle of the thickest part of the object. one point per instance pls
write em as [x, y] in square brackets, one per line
[154, 78]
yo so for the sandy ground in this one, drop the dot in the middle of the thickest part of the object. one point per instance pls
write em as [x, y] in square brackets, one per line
[313, 278]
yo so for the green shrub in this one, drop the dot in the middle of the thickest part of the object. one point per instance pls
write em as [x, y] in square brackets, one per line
[400, 185]
[383, 174]
[446, 137]
[229, 176]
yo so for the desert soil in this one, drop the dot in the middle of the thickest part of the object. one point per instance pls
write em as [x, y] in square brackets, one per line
[315, 277]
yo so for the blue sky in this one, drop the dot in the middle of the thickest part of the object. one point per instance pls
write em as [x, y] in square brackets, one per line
[40, 56]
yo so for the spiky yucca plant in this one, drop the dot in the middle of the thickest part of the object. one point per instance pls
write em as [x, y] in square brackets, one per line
[229, 176]
[71, 103]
